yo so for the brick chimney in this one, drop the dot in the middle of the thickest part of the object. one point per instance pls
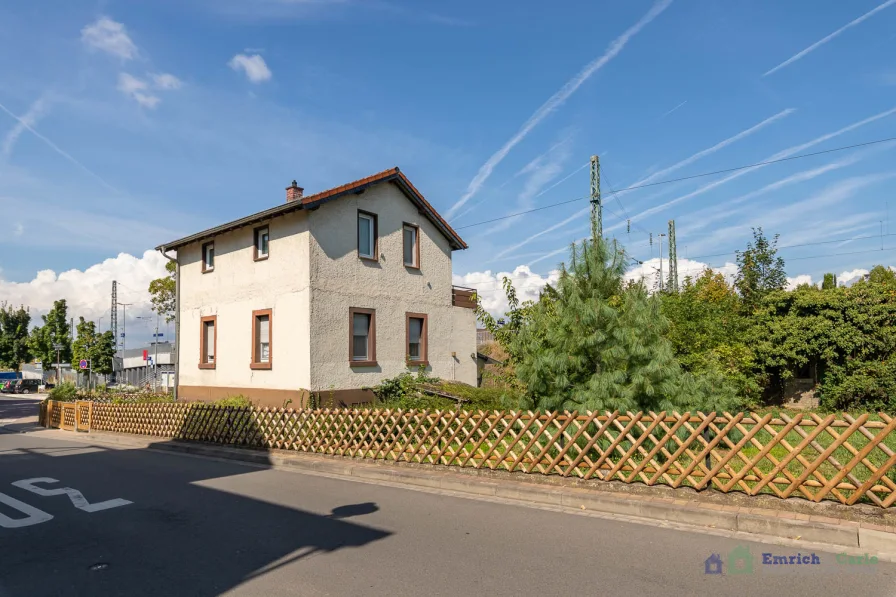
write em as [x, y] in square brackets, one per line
[294, 192]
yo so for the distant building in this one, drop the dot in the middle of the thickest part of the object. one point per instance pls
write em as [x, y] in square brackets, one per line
[483, 336]
[135, 366]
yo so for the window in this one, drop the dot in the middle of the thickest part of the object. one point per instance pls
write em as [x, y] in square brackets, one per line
[411, 245]
[261, 339]
[417, 338]
[208, 257]
[362, 337]
[208, 341]
[367, 241]
[262, 238]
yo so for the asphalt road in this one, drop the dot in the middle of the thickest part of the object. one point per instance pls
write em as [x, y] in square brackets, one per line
[198, 527]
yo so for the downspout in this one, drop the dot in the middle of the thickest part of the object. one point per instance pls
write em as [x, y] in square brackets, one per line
[163, 250]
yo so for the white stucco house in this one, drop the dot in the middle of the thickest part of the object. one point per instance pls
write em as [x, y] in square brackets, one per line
[328, 293]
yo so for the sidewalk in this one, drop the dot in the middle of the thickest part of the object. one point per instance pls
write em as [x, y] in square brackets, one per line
[698, 512]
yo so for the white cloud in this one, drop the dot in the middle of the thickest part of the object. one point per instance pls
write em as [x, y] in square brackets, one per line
[490, 288]
[649, 271]
[137, 89]
[828, 38]
[166, 81]
[798, 281]
[88, 292]
[109, 36]
[19, 229]
[28, 120]
[555, 101]
[253, 66]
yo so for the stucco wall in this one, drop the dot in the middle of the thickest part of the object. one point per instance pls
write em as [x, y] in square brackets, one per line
[341, 280]
[237, 286]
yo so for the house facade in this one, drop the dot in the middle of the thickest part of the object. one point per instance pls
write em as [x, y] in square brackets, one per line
[330, 293]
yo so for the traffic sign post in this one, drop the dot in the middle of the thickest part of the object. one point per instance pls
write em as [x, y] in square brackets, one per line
[83, 364]
[58, 347]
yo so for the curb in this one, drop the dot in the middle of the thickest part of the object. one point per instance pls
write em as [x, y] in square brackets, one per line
[845, 534]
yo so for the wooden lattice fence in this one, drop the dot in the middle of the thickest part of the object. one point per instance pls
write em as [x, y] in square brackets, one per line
[848, 459]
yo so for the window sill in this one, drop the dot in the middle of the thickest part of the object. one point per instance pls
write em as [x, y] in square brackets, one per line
[261, 366]
[418, 363]
[372, 259]
[262, 258]
[208, 271]
[362, 363]
[409, 266]
[206, 365]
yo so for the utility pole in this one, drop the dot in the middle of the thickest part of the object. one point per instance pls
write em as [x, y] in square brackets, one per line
[124, 322]
[673, 258]
[155, 360]
[597, 215]
[661, 261]
[113, 325]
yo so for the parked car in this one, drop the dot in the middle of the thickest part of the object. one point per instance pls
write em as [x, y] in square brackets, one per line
[25, 386]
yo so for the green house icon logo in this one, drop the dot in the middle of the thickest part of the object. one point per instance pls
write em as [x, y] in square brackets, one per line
[740, 560]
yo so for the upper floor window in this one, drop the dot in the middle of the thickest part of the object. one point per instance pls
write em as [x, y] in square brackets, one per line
[262, 239]
[208, 341]
[261, 339]
[367, 240]
[208, 256]
[411, 235]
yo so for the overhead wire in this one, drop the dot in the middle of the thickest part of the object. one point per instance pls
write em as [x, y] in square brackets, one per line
[682, 178]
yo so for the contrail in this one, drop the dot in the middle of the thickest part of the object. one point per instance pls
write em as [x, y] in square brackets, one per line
[825, 40]
[59, 150]
[555, 101]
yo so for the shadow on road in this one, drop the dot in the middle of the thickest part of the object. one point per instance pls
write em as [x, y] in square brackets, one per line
[179, 536]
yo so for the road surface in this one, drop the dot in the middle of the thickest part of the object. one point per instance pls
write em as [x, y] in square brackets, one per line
[140, 522]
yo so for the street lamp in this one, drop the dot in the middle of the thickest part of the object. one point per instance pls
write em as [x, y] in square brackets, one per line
[57, 347]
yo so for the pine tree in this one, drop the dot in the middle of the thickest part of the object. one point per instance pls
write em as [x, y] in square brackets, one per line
[600, 345]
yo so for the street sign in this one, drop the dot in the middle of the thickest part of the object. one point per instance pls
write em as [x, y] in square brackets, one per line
[149, 361]
[83, 364]
[159, 335]
[57, 346]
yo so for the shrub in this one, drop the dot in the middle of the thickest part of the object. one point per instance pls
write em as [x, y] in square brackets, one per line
[64, 392]
[237, 400]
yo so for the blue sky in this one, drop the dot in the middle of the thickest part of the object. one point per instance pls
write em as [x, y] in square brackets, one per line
[146, 121]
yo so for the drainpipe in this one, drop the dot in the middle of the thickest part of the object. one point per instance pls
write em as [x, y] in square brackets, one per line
[176, 347]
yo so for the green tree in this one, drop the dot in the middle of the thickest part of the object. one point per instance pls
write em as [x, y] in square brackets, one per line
[882, 275]
[99, 349]
[830, 282]
[759, 269]
[55, 329]
[163, 293]
[599, 344]
[14, 349]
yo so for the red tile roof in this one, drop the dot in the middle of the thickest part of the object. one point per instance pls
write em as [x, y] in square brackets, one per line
[393, 175]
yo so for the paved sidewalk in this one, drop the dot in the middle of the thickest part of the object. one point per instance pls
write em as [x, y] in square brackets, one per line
[764, 522]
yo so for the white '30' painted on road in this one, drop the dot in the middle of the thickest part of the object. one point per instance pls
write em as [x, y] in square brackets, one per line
[35, 516]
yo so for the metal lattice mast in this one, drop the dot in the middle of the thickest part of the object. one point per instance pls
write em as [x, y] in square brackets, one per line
[673, 259]
[597, 215]
[113, 322]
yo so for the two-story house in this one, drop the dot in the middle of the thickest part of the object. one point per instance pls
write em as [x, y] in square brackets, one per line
[328, 293]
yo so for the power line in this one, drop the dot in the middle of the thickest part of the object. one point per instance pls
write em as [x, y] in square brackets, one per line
[683, 178]
[710, 265]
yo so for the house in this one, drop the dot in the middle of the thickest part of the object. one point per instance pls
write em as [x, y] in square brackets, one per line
[329, 293]
[151, 365]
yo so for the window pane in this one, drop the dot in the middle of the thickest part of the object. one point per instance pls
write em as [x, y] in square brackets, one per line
[261, 243]
[209, 342]
[414, 351]
[365, 235]
[410, 246]
[359, 348]
[262, 338]
[360, 324]
[415, 329]
[209, 256]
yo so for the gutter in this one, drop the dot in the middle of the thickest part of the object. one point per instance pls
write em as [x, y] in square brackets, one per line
[176, 346]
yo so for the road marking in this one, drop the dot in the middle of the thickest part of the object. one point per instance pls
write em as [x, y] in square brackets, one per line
[34, 516]
[76, 497]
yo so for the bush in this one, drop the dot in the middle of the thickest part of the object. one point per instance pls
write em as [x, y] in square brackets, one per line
[408, 391]
[64, 392]
[237, 400]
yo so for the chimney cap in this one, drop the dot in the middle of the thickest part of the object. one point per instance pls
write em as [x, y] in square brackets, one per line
[293, 185]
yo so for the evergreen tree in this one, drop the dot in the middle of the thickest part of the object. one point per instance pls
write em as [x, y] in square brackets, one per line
[830, 282]
[55, 329]
[600, 345]
[14, 349]
[759, 269]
